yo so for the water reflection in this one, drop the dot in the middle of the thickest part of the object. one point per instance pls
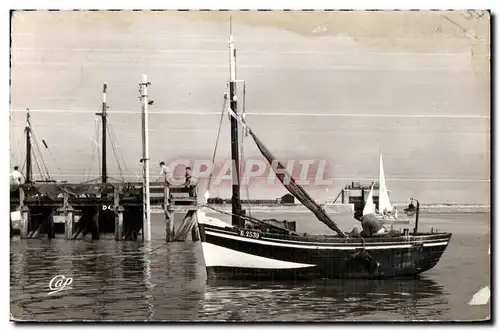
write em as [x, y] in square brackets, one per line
[324, 300]
[120, 281]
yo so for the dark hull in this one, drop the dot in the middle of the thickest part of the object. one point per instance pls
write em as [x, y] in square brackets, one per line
[231, 254]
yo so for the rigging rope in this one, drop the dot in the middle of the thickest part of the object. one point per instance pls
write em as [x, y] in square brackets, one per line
[248, 184]
[118, 156]
[113, 148]
[38, 167]
[249, 218]
[224, 105]
[88, 167]
[38, 150]
[51, 156]
[244, 132]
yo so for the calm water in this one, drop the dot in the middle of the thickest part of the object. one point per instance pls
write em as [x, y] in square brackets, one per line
[119, 281]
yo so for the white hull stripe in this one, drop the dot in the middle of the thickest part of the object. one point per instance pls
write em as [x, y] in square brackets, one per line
[440, 241]
[270, 243]
[435, 244]
[218, 256]
[366, 244]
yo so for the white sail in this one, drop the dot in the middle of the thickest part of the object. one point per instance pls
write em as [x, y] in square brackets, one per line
[369, 206]
[384, 203]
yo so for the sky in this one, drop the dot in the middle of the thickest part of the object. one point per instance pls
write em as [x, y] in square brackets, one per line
[335, 86]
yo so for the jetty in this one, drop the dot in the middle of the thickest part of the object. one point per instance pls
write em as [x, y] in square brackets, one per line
[45, 208]
[356, 194]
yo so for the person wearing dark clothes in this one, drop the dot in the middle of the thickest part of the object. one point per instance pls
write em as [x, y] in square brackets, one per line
[371, 225]
[190, 182]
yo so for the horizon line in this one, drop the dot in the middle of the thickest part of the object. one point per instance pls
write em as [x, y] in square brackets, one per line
[197, 112]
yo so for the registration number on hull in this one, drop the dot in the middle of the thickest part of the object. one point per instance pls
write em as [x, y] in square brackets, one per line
[249, 234]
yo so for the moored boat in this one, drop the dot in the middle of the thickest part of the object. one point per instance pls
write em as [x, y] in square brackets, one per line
[253, 248]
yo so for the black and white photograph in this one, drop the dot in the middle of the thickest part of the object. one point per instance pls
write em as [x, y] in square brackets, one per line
[250, 165]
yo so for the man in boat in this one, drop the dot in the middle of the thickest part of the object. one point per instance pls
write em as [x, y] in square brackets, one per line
[190, 182]
[16, 177]
[166, 173]
[371, 225]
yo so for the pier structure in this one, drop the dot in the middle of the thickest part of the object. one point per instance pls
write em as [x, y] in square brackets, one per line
[76, 210]
[179, 205]
[103, 205]
[357, 194]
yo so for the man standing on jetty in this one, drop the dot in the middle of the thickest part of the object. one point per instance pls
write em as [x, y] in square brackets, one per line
[190, 182]
[166, 172]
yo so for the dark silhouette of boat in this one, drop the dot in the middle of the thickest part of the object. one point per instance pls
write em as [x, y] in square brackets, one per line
[251, 248]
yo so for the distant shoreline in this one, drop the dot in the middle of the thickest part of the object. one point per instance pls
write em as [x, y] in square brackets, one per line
[347, 208]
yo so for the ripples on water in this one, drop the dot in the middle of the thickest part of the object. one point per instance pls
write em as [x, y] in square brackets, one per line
[118, 281]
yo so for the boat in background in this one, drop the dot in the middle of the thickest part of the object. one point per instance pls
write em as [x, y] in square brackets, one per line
[370, 205]
[386, 212]
[251, 248]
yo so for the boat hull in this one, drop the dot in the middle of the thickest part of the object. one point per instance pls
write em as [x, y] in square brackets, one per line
[235, 253]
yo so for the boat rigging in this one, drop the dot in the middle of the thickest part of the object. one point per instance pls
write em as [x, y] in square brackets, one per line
[233, 251]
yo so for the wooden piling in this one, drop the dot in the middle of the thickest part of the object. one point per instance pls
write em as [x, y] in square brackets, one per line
[119, 223]
[195, 235]
[24, 222]
[170, 222]
[51, 233]
[94, 225]
[118, 213]
[70, 220]
[169, 215]
[68, 217]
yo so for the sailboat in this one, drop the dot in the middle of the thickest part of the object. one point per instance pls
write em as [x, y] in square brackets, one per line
[386, 213]
[370, 205]
[251, 248]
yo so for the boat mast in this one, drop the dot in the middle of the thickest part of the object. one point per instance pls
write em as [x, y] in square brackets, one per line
[146, 210]
[104, 118]
[28, 147]
[235, 199]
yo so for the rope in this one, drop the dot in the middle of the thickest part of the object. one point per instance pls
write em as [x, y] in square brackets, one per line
[244, 105]
[117, 180]
[35, 150]
[249, 218]
[116, 149]
[52, 156]
[248, 205]
[224, 105]
[38, 167]
[244, 133]
[93, 151]
[113, 148]
[38, 150]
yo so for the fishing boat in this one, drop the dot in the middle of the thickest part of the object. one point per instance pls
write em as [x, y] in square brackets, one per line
[251, 248]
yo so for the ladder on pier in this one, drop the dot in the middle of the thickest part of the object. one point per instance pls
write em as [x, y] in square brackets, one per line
[179, 204]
